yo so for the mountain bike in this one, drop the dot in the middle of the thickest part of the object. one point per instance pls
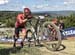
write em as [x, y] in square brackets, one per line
[44, 35]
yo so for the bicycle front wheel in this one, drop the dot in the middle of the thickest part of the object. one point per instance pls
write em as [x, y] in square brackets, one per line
[52, 36]
[31, 37]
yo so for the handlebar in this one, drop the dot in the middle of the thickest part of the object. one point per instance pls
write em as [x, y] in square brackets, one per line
[38, 18]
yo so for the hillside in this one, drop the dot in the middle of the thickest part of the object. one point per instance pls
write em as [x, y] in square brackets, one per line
[53, 13]
[8, 18]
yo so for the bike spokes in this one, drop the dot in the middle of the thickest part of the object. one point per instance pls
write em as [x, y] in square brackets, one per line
[53, 36]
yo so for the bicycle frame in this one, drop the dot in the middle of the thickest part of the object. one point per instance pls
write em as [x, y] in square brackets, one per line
[36, 30]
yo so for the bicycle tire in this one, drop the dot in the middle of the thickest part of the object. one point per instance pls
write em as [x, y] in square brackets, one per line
[32, 36]
[55, 46]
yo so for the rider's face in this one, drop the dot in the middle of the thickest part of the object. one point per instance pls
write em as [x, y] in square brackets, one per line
[26, 12]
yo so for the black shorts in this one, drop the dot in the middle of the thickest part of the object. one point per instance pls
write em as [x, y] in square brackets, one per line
[18, 29]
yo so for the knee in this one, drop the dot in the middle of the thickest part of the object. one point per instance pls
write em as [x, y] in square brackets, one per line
[23, 32]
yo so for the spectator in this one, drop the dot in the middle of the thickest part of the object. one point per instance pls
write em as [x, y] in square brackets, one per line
[61, 25]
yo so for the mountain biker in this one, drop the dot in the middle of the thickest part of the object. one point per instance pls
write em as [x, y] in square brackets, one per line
[20, 25]
[55, 21]
[53, 31]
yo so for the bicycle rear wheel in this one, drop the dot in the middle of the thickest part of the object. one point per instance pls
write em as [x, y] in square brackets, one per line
[52, 40]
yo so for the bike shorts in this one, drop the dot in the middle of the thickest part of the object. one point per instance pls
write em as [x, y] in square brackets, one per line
[18, 29]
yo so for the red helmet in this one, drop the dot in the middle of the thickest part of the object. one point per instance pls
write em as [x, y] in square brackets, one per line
[27, 10]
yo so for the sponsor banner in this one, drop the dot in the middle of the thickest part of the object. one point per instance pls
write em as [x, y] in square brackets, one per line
[69, 31]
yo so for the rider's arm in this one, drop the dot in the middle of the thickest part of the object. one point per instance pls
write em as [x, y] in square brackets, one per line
[24, 20]
[20, 20]
[49, 27]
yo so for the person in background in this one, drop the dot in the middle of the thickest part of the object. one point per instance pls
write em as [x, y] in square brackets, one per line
[61, 25]
[53, 31]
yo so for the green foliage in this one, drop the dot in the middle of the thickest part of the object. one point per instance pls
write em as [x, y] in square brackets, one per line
[9, 19]
[69, 21]
[20, 51]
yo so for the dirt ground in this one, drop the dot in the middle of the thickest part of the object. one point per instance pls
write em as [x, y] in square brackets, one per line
[68, 50]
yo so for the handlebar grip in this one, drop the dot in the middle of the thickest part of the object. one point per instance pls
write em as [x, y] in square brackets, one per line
[28, 20]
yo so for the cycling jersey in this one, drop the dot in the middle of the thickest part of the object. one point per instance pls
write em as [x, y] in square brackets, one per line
[19, 18]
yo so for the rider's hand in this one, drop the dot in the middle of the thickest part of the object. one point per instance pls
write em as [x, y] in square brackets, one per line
[30, 16]
[25, 20]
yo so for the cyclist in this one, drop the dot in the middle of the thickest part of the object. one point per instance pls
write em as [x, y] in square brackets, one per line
[53, 31]
[20, 25]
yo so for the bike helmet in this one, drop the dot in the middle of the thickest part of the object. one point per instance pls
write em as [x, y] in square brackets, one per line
[27, 10]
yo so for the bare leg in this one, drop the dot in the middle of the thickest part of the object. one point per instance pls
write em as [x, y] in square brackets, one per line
[23, 37]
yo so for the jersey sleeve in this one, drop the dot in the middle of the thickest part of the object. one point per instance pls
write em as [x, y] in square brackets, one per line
[19, 18]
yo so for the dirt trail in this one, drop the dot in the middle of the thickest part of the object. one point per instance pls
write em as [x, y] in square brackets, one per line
[69, 50]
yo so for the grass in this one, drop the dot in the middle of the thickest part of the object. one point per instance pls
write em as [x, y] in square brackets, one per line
[19, 51]
[9, 50]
